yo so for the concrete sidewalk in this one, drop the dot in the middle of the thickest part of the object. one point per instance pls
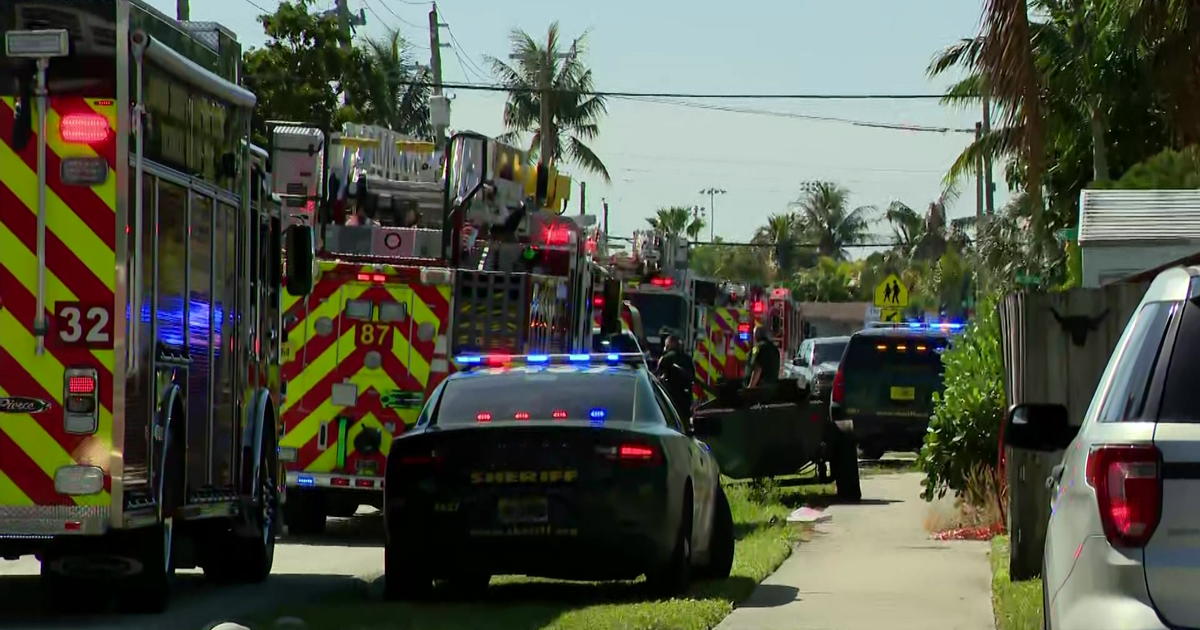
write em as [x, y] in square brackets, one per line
[874, 566]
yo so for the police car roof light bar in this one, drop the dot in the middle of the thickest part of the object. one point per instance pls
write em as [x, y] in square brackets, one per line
[468, 361]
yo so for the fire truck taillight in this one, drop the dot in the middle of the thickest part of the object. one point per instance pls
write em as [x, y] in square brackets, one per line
[81, 414]
[84, 128]
[663, 282]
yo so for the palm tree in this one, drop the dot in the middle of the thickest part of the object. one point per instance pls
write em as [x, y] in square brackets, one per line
[828, 222]
[674, 221]
[907, 226]
[548, 71]
[1010, 77]
[784, 233]
[385, 92]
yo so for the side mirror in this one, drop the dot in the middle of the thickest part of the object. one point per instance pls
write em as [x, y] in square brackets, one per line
[1039, 427]
[301, 255]
[706, 426]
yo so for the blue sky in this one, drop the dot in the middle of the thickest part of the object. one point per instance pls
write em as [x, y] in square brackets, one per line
[664, 154]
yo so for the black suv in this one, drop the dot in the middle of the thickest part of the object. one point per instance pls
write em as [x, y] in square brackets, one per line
[885, 385]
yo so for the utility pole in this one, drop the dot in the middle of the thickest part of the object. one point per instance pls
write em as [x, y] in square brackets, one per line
[343, 18]
[182, 10]
[712, 210]
[989, 188]
[604, 204]
[582, 197]
[435, 63]
[978, 180]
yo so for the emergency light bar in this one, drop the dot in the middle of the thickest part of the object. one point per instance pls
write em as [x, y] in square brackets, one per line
[942, 326]
[506, 360]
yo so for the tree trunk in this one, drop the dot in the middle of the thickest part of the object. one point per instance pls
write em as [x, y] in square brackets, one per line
[1099, 146]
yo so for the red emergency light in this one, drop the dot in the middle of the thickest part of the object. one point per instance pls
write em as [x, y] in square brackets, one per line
[743, 328]
[758, 308]
[84, 128]
[556, 235]
[663, 282]
[598, 301]
[372, 277]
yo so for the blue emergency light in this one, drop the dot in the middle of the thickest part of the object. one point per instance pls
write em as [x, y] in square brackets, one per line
[306, 481]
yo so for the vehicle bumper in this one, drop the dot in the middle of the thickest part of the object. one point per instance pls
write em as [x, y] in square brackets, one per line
[596, 545]
[1106, 589]
[891, 432]
[334, 481]
[53, 520]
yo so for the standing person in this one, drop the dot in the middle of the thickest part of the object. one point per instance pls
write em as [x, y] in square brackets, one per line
[677, 373]
[762, 370]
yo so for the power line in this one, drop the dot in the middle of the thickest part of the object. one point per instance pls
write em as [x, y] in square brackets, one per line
[257, 6]
[491, 87]
[389, 10]
[476, 70]
[813, 117]
[805, 245]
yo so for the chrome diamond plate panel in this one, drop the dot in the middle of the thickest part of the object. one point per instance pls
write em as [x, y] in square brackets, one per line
[53, 520]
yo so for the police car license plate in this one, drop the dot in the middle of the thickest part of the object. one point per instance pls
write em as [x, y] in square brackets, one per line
[904, 393]
[523, 510]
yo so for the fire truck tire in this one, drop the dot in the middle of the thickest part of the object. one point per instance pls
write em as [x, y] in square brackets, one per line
[148, 592]
[404, 575]
[304, 514]
[247, 557]
[845, 466]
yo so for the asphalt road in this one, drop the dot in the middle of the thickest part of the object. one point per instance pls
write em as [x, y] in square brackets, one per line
[346, 558]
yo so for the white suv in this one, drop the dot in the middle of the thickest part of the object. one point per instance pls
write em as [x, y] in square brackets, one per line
[1123, 541]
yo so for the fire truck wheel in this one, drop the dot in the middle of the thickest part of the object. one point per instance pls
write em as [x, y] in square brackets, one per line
[304, 514]
[404, 575]
[845, 466]
[149, 591]
[239, 557]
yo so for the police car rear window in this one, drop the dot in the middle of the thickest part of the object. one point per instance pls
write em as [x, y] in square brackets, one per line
[536, 395]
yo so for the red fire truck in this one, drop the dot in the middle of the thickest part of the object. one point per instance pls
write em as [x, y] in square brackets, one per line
[417, 262]
[139, 303]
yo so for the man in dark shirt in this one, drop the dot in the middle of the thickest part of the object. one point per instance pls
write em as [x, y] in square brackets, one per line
[762, 370]
[677, 374]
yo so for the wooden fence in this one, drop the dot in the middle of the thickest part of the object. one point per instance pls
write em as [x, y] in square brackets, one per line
[1055, 347]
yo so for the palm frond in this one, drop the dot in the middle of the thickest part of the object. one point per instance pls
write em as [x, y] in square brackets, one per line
[583, 155]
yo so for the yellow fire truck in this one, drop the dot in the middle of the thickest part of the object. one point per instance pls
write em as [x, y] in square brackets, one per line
[420, 258]
[139, 303]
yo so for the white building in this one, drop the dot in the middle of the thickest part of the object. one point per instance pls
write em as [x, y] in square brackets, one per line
[1124, 232]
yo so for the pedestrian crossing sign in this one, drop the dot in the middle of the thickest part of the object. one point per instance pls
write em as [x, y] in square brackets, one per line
[891, 293]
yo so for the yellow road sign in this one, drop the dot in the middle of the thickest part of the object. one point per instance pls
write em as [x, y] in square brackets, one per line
[891, 293]
[890, 315]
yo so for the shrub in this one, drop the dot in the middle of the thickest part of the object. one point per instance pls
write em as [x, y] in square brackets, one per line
[964, 429]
